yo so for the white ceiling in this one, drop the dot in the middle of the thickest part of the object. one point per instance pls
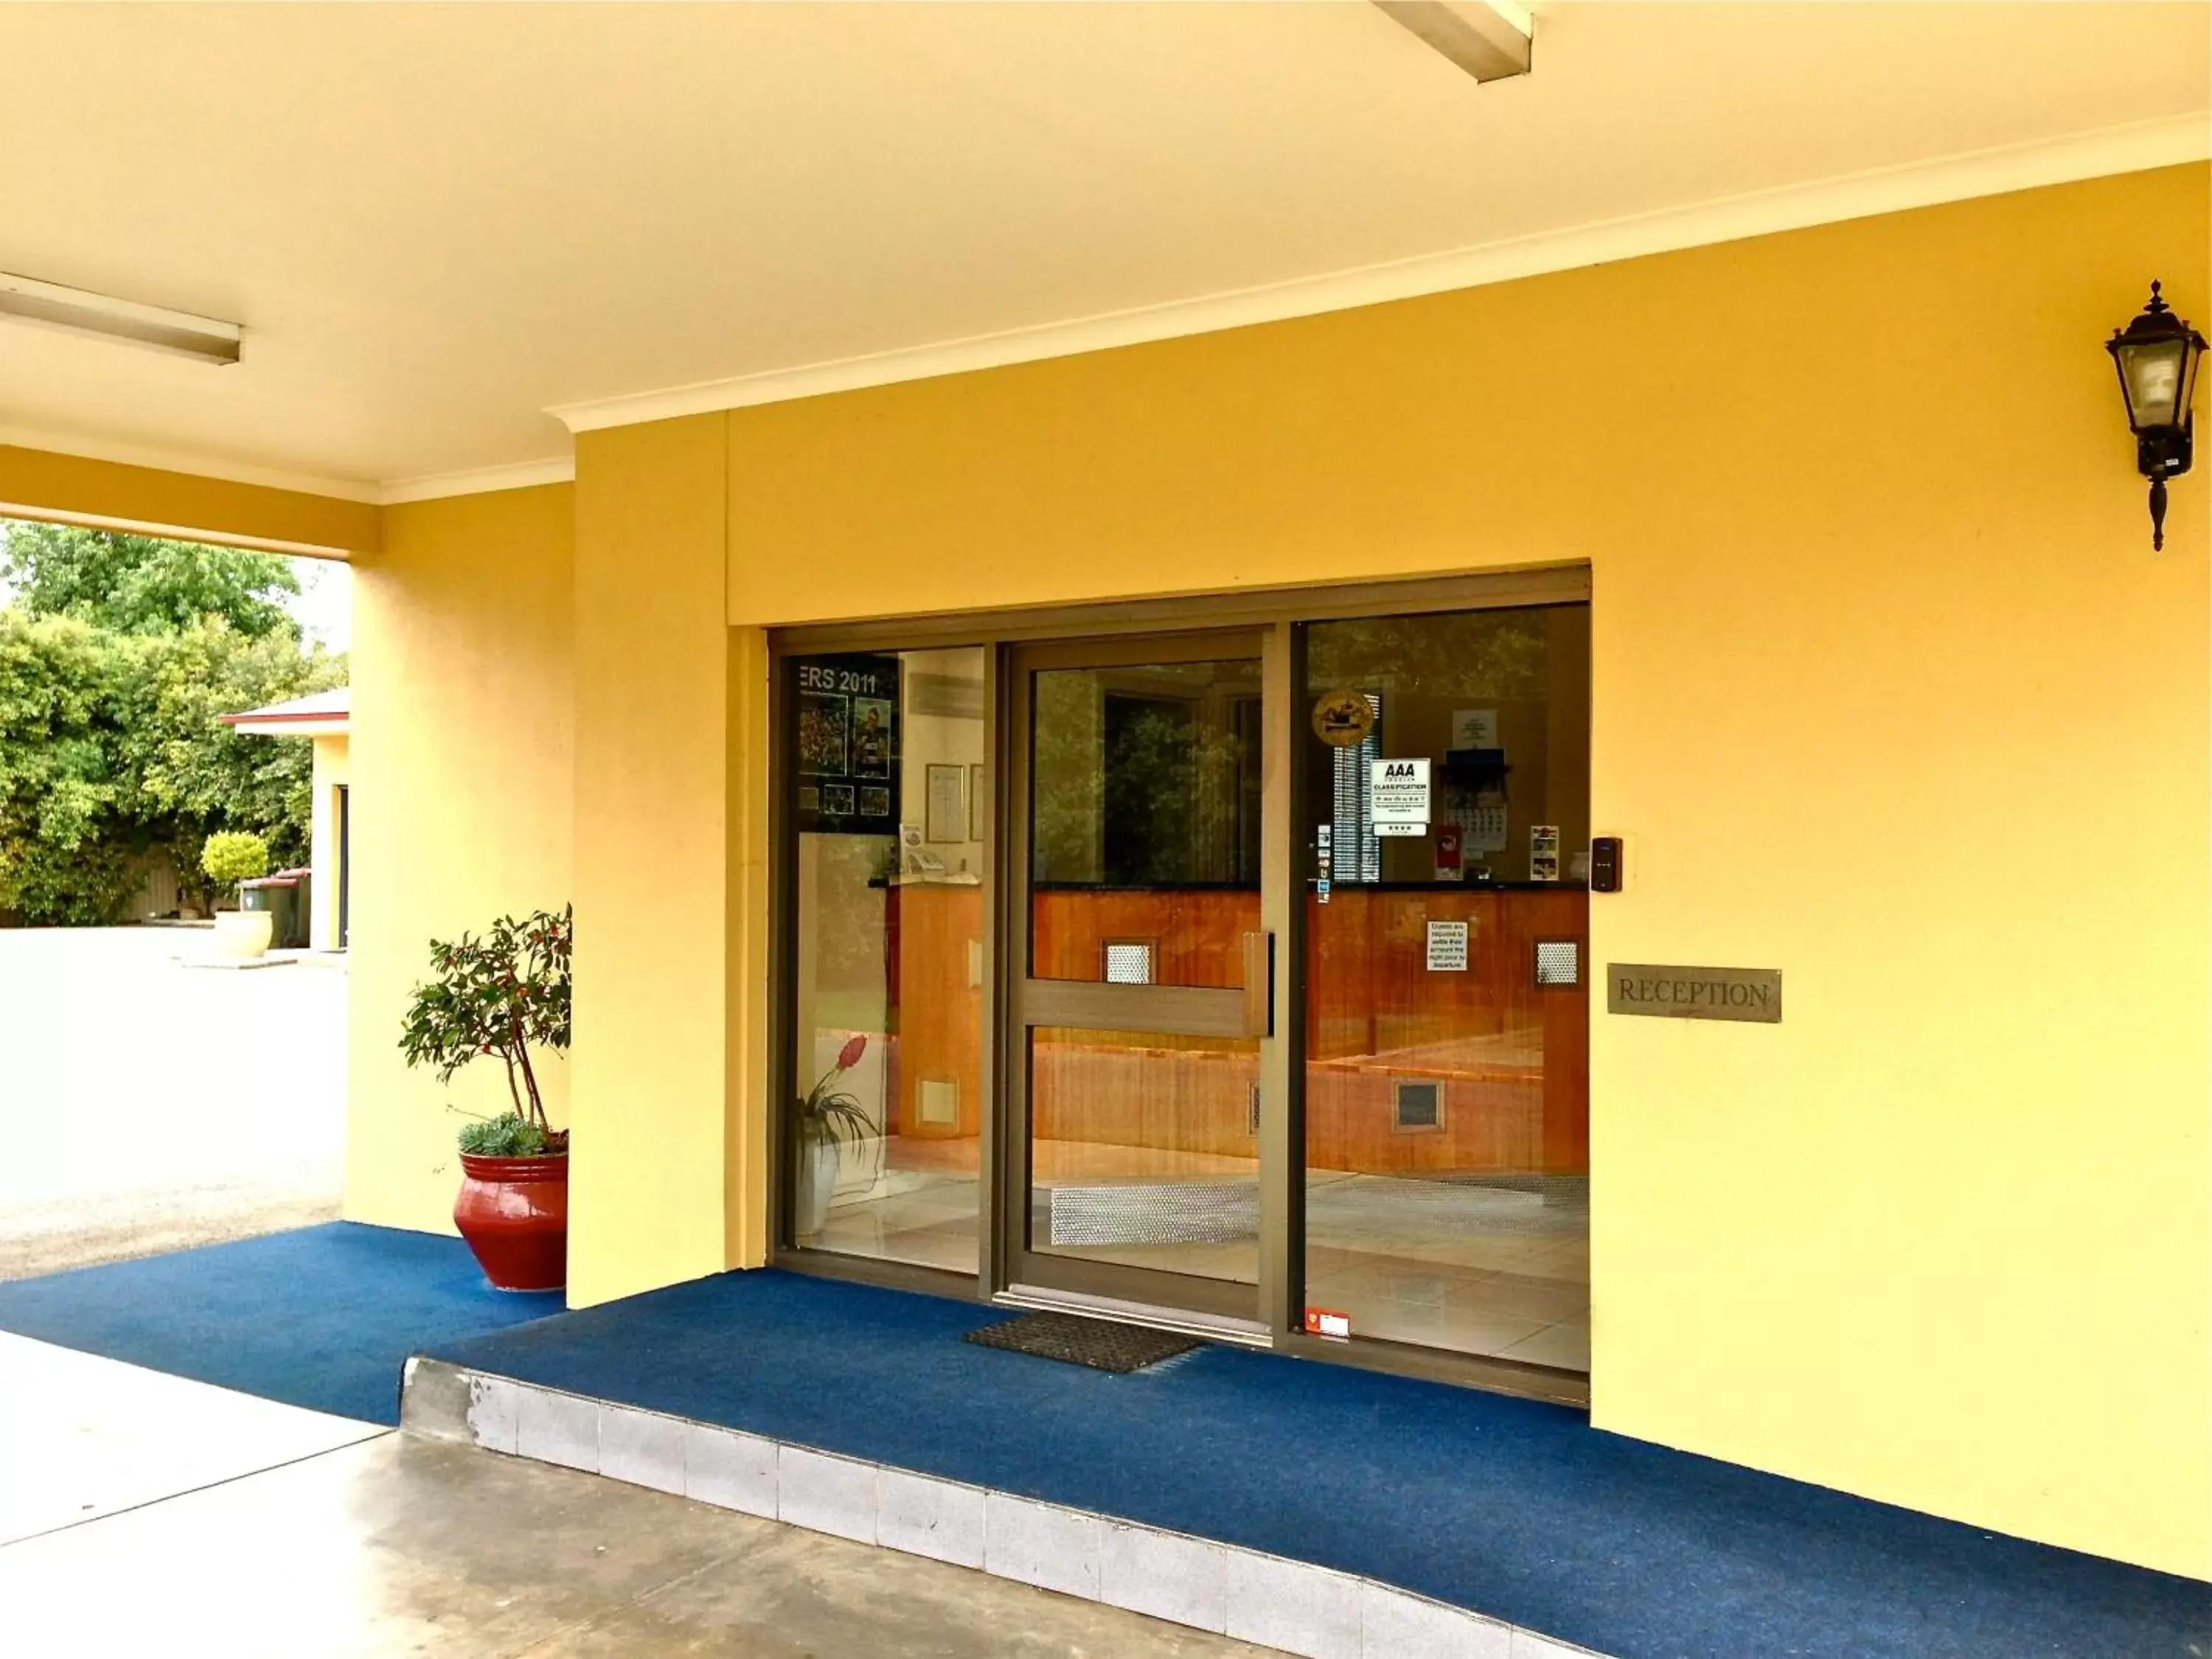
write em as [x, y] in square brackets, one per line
[437, 222]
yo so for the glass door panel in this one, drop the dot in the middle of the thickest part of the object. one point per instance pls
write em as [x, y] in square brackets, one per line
[1145, 987]
[1144, 1149]
[1144, 829]
[886, 782]
[1443, 821]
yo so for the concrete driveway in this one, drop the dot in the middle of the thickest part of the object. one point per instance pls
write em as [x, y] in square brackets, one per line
[146, 1104]
[146, 1514]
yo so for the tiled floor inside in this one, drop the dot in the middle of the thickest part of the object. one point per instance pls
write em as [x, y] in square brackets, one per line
[923, 1216]
[1501, 1271]
[1482, 1264]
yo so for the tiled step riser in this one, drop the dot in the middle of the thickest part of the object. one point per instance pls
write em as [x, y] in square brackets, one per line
[1266, 1600]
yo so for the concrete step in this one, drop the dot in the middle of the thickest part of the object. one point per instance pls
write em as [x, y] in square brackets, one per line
[1270, 1600]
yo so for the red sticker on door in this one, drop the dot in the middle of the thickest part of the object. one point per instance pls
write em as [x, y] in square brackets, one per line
[1327, 1321]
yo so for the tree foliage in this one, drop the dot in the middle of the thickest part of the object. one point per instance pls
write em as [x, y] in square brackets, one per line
[118, 656]
[145, 584]
[190, 774]
[62, 857]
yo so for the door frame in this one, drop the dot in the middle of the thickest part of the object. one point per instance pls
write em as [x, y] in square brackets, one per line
[1274, 613]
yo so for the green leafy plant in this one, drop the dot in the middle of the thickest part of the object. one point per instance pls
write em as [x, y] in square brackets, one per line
[827, 1114]
[501, 994]
[231, 856]
[507, 1135]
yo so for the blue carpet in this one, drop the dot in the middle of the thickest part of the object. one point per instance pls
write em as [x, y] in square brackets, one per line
[322, 1317]
[1517, 1510]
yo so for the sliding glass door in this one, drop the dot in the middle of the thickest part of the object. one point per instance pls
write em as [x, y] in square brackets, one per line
[1231, 977]
[1139, 991]
[1445, 829]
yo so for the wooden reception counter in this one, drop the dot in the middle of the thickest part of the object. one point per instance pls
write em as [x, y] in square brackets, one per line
[1509, 1057]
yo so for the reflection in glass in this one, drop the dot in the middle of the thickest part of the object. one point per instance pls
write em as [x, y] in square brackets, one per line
[1144, 778]
[1446, 1139]
[888, 947]
[1144, 1149]
[1144, 864]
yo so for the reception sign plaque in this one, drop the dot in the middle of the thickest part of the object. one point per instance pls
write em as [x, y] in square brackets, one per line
[1746, 994]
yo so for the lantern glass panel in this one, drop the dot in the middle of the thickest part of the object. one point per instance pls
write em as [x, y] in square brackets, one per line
[2151, 374]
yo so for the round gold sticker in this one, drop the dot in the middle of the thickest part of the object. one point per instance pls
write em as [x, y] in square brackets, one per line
[1343, 719]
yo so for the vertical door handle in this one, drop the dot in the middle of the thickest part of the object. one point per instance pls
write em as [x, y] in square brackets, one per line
[1259, 985]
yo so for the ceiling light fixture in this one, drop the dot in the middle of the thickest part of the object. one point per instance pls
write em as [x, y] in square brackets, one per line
[49, 305]
[1488, 39]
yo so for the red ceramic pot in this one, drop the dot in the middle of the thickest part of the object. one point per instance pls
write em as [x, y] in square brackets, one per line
[514, 1214]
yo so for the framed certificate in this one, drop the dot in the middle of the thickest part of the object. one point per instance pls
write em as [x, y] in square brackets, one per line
[946, 816]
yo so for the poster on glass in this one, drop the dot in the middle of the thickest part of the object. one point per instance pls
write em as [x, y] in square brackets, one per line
[846, 714]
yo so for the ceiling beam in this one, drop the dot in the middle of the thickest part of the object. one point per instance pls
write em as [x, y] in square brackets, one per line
[1490, 41]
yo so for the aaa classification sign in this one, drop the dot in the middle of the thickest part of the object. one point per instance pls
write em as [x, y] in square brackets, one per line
[1398, 794]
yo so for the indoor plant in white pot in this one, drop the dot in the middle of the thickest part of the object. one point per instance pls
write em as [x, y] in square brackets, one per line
[228, 857]
[827, 1117]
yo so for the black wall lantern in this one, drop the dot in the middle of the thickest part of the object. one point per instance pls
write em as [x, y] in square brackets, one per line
[2157, 354]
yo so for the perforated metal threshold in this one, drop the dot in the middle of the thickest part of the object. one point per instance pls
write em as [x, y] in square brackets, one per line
[1246, 1333]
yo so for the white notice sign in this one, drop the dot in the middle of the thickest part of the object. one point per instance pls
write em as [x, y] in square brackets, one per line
[1474, 728]
[1399, 793]
[1447, 947]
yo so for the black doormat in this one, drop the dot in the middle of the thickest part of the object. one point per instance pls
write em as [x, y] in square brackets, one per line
[1098, 1343]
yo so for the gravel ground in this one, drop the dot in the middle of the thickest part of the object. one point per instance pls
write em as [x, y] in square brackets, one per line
[147, 1103]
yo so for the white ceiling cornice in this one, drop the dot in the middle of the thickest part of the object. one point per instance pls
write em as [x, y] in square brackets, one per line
[437, 486]
[2133, 148]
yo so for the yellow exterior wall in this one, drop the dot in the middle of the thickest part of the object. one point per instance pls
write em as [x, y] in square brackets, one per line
[1890, 694]
[654, 1045]
[334, 770]
[463, 764]
[37, 483]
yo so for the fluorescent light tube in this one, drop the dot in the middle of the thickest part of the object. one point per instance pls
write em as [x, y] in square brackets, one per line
[49, 305]
[1488, 39]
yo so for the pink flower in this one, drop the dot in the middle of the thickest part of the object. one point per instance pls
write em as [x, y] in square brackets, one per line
[849, 1055]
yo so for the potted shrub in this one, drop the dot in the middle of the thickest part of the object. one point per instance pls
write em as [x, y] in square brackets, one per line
[230, 857]
[827, 1117]
[502, 995]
